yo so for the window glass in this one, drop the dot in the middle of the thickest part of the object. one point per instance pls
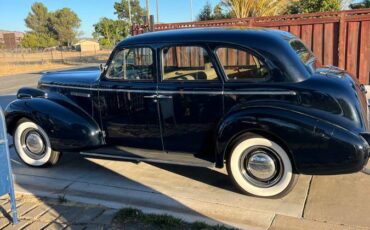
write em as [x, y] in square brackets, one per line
[304, 54]
[132, 64]
[187, 63]
[239, 64]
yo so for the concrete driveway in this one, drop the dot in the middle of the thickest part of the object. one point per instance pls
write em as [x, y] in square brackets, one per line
[192, 193]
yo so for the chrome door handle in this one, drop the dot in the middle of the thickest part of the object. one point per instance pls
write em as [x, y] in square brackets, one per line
[151, 96]
[164, 96]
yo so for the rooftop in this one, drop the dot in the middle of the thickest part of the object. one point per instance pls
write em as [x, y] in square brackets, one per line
[208, 34]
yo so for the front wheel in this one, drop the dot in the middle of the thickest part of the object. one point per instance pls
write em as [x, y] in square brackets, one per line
[33, 145]
[260, 167]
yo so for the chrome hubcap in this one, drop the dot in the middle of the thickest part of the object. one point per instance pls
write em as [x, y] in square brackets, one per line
[261, 166]
[34, 143]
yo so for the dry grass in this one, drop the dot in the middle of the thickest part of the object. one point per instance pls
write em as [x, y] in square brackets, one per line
[24, 61]
[6, 70]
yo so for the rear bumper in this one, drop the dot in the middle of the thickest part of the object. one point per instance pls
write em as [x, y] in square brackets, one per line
[366, 168]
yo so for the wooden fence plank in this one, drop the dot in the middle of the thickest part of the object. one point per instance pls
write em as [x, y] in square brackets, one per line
[328, 44]
[352, 46]
[296, 30]
[364, 69]
[307, 35]
[317, 41]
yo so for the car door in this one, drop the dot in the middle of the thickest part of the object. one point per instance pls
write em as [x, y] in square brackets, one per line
[127, 99]
[190, 99]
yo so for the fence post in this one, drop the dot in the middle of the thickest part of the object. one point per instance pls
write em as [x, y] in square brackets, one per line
[342, 38]
[61, 55]
[52, 57]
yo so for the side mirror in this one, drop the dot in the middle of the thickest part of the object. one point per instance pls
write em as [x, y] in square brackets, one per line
[102, 67]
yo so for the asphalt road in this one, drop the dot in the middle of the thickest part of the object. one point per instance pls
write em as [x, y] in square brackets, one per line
[188, 192]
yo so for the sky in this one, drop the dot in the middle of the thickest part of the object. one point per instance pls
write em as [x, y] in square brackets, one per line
[13, 12]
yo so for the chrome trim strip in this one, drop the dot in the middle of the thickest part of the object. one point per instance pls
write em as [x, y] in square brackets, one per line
[66, 86]
[78, 94]
[210, 165]
[254, 92]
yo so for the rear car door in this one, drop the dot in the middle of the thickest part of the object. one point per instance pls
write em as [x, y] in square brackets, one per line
[190, 99]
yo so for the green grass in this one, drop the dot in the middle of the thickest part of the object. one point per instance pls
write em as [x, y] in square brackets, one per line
[153, 221]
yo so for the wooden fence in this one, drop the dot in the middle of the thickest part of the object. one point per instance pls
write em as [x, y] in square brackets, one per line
[337, 38]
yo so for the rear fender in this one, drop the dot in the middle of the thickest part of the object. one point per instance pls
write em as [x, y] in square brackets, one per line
[314, 146]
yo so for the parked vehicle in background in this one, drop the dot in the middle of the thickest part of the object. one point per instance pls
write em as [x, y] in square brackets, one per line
[253, 99]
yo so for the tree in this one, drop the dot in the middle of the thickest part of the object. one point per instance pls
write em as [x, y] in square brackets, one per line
[219, 12]
[38, 19]
[252, 8]
[110, 31]
[206, 13]
[360, 5]
[38, 40]
[61, 25]
[312, 6]
[65, 24]
[137, 12]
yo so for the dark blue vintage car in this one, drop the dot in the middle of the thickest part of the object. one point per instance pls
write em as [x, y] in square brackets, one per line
[253, 99]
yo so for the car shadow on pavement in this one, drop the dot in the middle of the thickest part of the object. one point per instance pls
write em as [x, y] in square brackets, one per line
[205, 175]
[102, 181]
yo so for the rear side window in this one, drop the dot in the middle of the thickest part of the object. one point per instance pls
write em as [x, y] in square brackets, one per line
[241, 65]
[304, 54]
[131, 64]
[187, 63]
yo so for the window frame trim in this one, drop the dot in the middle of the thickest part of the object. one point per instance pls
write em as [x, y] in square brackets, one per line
[119, 49]
[210, 53]
[260, 57]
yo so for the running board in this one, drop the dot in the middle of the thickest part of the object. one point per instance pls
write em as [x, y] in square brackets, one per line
[139, 155]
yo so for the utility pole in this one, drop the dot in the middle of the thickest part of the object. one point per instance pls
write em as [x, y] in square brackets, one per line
[129, 11]
[191, 10]
[147, 11]
[156, 8]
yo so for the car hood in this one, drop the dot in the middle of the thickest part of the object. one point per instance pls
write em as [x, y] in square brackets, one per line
[79, 78]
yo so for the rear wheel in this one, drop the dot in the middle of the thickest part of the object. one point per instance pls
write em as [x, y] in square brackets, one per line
[261, 167]
[33, 145]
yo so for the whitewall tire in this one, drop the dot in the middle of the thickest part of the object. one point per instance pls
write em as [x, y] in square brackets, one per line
[261, 167]
[32, 144]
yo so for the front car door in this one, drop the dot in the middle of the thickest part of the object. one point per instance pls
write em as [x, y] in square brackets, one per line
[127, 99]
[190, 99]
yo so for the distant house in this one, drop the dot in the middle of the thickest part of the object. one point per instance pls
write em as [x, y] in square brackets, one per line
[10, 39]
[87, 45]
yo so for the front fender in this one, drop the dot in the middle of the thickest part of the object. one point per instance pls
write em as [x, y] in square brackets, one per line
[315, 146]
[68, 126]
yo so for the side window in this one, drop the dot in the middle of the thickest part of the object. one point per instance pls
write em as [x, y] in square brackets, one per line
[131, 64]
[239, 64]
[187, 63]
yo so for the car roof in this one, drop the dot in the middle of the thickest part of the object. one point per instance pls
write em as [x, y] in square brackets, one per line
[272, 44]
[210, 34]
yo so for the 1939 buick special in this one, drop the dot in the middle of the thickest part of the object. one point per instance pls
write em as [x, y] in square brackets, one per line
[255, 100]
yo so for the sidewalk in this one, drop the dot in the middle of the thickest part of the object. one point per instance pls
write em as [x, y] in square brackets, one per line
[51, 214]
